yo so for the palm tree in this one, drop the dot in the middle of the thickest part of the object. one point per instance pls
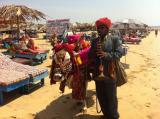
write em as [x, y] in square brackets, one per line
[20, 13]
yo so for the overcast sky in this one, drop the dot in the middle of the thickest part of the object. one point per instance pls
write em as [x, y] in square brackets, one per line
[147, 11]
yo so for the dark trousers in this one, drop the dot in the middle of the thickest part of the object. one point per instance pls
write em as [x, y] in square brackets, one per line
[107, 96]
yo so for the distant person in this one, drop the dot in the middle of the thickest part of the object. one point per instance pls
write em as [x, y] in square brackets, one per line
[93, 36]
[22, 43]
[31, 45]
[23, 46]
[156, 32]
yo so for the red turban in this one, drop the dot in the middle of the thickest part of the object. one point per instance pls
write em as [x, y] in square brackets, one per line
[104, 21]
[64, 46]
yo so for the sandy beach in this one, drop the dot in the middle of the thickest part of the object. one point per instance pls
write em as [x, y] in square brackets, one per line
[138, 99]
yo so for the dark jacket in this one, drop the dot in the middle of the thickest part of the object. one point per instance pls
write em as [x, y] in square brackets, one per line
[113, 48]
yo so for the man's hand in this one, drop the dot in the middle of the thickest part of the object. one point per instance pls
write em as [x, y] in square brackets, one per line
[101, 54]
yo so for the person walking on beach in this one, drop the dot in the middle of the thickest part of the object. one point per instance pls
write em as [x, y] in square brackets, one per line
[156, 32]
[101, 55]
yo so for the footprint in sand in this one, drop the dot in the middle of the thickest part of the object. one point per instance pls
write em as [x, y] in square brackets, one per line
[154, 67]
[13, 117]
[143, 94]
[154, 73]
[148, 104]
[149, 117]
[143, 65]
[154, 115]
[132, 101]
[158, 95]
[143, 68]
[155, 89]
[131, 76]
[31, 116]
[149, 64]
[149, 59]
[134, 72]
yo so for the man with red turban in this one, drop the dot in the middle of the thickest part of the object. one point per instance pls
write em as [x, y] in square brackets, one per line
[104, 50]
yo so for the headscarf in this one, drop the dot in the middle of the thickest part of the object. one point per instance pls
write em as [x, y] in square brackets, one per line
[104, 21]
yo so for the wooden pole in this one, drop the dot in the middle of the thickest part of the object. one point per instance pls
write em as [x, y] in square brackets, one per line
[18, 31]
[11, 27]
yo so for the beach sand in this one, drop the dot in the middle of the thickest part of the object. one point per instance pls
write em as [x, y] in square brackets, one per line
[138, 99]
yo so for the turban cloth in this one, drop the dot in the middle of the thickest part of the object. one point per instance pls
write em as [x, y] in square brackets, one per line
[65, 46]
[73, 38]
[104, 21]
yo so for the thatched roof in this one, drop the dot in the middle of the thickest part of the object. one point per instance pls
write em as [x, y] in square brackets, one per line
[83, 26]
[129, 24]
[24, 13]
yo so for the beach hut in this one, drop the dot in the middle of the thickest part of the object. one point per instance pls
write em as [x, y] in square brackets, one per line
[127, 24]
[18, 13]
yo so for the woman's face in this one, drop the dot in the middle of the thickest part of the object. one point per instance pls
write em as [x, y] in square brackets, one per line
[102, 30]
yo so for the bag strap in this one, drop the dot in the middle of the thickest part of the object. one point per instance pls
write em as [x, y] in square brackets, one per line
[113, 44]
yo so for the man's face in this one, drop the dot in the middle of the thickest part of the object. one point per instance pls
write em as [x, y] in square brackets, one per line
[102, 30]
